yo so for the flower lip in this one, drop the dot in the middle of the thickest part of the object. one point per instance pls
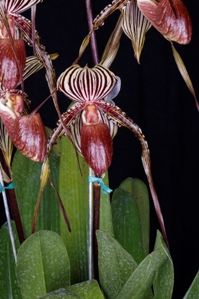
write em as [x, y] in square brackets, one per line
[169, 17]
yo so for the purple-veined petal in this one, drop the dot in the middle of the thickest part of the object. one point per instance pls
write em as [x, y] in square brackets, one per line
[122, 120]
[18, 6]
[135, 26]
[169, 17]
[86, 84]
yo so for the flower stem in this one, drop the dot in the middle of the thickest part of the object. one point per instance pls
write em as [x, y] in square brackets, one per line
[94, 189]
[90, 26]
[7, 212]
[13, 203]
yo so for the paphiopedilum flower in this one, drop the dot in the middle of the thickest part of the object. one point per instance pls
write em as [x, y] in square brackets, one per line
[91, 129]
[93, 121]
[16, 27]
[169, 17]
[26, 131]
[93, 114]
[12, 46]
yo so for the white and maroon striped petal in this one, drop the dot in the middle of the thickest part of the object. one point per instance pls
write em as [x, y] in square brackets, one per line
[18, 6]
[86, 84]
[169, 17]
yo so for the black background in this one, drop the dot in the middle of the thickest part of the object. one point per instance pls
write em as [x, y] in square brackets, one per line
[155, 96]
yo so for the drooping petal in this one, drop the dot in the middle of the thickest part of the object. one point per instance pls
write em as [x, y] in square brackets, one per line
[86, 84]
[18, 6]
[75, 124]
[135, 26]
[169, 17]
[96, 146]
[9, 68]
[121, 119]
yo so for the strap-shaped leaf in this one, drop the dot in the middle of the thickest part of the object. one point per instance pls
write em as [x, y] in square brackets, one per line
[9, 287]
[164, 280]
[139, 191]
[140, 282]
[126, 223]
[115, 264]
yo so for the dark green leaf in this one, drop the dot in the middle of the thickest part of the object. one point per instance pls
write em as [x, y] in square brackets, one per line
[73, 190]
[164, 279]
[140, 193]
[115, 264]
[84, 290]
[193, 291]
[8, 283]
[140, 282]
[126, 223]
[26, 176]
[61, 294]
[106, 224]
[88, 290]
[42, 265]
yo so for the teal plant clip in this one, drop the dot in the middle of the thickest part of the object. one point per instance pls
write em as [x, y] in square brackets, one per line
[105, 189]
[10, 186]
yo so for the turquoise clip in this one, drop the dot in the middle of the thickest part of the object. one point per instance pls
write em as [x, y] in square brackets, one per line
[105, 189]
[3, 188]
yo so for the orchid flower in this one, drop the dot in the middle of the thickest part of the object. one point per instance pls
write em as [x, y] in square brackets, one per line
[93, 121]
[26, 131]
[169, 17]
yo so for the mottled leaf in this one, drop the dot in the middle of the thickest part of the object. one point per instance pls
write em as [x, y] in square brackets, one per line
[42, 265]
